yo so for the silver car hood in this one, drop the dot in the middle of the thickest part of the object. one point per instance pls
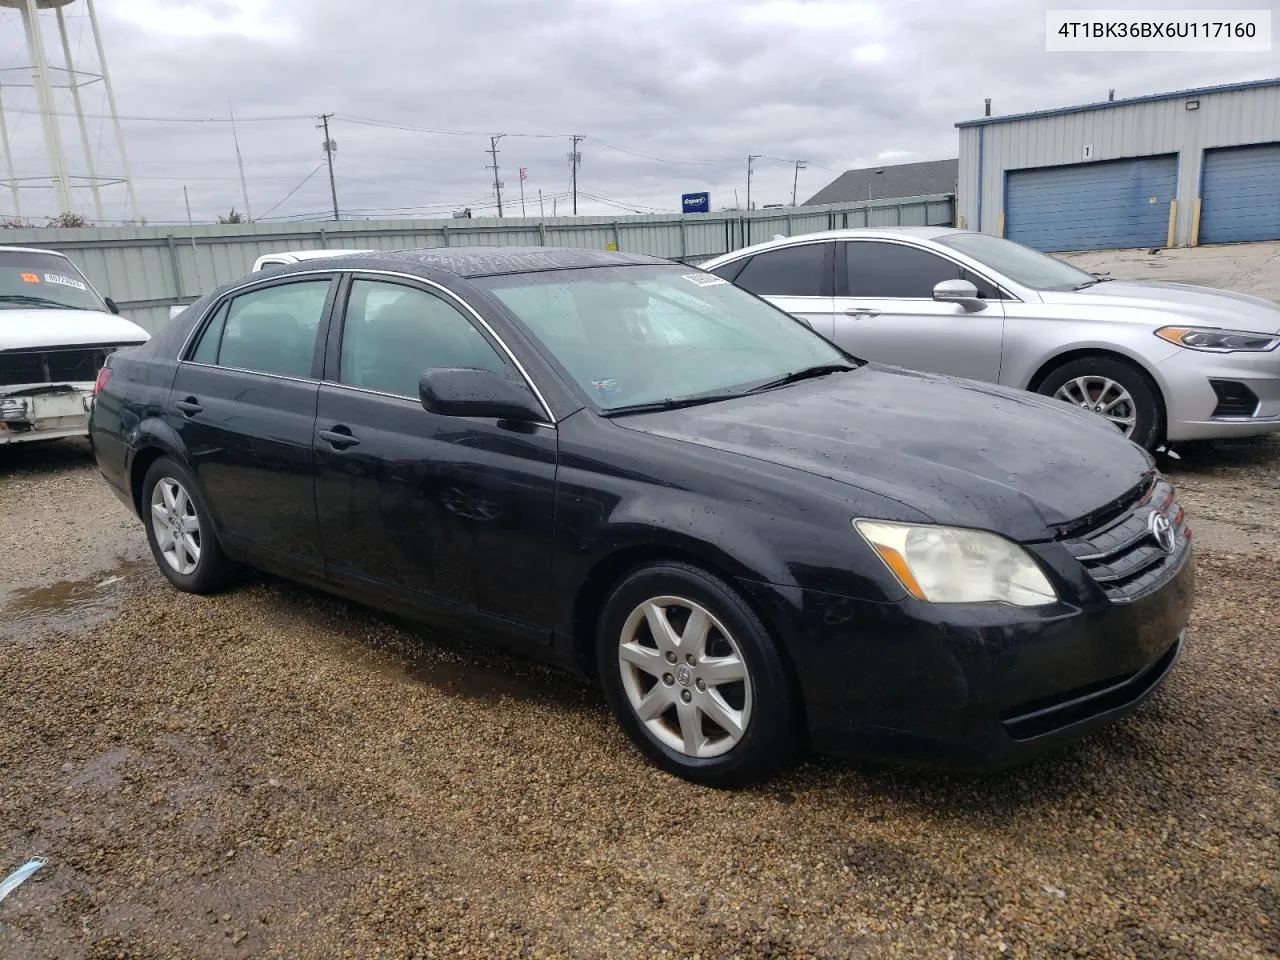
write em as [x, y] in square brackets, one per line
[1179, 302]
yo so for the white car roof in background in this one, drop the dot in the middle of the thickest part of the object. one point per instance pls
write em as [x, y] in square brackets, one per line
[55, 253]
[296, 256]
[849, 233]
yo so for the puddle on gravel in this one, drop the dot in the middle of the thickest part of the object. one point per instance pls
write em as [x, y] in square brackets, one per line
[473, 680]
[67, 606]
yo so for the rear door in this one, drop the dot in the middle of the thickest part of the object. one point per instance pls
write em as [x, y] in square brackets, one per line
[244, 403]
[798, 279]
[420, 510]
[885, 311]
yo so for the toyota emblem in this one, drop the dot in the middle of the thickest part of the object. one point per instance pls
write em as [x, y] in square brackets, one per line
[1161, 531]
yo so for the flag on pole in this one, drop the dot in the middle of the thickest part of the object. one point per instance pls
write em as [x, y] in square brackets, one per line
[524, 173]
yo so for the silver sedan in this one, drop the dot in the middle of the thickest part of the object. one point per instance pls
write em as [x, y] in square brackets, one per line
[1162, 361]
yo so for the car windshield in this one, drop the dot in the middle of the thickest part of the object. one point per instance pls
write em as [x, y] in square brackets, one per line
[29, 278]
[637, 335]
[1020, 264]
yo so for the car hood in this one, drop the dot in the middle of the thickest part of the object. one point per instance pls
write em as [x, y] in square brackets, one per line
[1205, 305]
[961, 452]
[41, 327]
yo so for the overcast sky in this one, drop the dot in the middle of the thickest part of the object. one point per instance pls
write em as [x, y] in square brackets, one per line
[672, 95]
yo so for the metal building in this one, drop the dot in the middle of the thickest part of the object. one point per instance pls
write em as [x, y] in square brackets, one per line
[1171, 169]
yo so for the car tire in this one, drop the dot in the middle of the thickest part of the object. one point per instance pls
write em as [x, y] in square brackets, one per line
[180, 531]
[1091, 381]
[681, 714]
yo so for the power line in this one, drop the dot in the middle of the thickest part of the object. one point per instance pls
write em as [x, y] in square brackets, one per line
[294, 190]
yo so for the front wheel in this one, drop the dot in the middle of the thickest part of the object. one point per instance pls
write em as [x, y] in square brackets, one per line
[694, 678]
[180, 532]
[1115, 390]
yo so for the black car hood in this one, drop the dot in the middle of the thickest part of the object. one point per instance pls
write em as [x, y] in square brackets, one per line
[961, 452]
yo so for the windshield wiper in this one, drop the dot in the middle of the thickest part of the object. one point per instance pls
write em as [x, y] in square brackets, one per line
[35, 301]
[671, 403]
[1097, 278]
[807, 373]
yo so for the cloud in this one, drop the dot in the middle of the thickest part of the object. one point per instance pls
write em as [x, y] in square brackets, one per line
[672, 96]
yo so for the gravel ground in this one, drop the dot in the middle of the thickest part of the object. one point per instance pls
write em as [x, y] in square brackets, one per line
[274, 773]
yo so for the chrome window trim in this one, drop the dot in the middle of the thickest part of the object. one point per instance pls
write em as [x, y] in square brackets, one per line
[416, 401]
[259, 373]
[354, 273]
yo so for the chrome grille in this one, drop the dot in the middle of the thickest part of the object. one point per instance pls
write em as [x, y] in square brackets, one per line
[1122, 554]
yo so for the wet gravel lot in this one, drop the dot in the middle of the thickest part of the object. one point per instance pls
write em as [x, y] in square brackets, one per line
[273, 773]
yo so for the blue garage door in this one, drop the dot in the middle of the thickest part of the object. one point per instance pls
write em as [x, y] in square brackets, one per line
[1240, 194]
[1091, 206]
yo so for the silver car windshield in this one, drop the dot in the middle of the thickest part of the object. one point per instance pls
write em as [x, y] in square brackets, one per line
[638, 335]
[1022, 265]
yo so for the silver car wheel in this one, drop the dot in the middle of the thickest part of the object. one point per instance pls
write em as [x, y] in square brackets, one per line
[685, 677]
[176, 525]
[1103, 396]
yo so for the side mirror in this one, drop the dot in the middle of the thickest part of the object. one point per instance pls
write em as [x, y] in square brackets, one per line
[466, 392]
[111, 305]
[959, 291]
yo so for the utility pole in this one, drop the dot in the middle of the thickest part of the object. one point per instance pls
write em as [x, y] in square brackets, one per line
[575, 158]
[750, 160]
[800, 165]
[195, 257]
[244, 187]
[329, 147]
[497, 184]
[542, 211]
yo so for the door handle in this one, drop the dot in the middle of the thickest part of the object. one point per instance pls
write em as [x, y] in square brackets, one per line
[339, 437]
[189, 407]
[861, 312]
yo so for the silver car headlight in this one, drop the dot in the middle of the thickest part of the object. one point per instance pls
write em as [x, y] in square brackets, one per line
[954, 565]
[1217, 340]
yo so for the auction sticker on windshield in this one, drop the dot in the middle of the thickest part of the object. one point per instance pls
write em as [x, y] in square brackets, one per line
[704, 279]
[30, 278]
[65, 281]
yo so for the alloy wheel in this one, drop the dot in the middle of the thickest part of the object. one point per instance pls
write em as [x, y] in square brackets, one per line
[685, 677]
[176, 525]
[1103, 396]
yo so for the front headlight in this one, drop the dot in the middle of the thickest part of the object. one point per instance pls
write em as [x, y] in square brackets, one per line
[1217, 340]
[953, 565]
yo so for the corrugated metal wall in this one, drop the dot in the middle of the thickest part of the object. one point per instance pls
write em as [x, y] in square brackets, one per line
[148, 269]
[989, 150]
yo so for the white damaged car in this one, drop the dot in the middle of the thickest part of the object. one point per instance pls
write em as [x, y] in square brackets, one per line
[56, 331]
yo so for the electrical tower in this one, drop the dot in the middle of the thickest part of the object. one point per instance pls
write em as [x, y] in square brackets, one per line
[45, 78]
[497, 184]
[575, 160]
[329, 147]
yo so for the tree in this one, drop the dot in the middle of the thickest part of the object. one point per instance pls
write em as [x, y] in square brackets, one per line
[232, 217]
[69, 219]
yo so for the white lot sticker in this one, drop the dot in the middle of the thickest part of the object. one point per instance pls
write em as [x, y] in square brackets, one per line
[65, 281]
[704, 279]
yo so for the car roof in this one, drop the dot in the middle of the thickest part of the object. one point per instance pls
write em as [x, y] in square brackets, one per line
[479, 261]
[56, 253]
[848, 233]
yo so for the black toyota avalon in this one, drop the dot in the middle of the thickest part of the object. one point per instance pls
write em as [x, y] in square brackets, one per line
[632, 469]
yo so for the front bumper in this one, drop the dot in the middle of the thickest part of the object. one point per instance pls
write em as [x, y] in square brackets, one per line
[973, 687]
[1190, 399]
[45, 414]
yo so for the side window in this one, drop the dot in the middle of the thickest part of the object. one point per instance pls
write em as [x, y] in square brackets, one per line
[206, 350]
[891, 270]
[798, 271]
[392, 333]
[271, 330]
[730, 270]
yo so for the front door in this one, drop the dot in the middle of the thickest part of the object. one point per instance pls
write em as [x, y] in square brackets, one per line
[244, 403]
[797, 279]
[885, 311]
[421, 510]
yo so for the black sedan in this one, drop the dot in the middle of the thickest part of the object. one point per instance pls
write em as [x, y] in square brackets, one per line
[633, 469]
